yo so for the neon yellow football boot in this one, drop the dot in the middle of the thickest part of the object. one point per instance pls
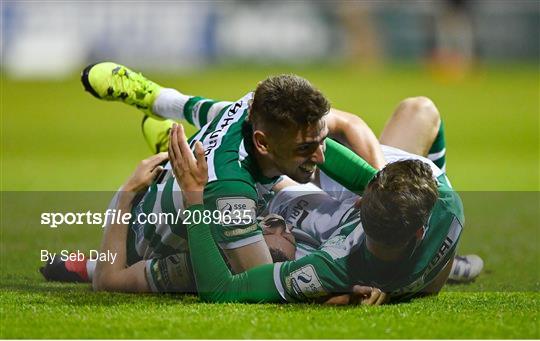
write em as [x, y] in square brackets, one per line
[114, 82]
[156, 133]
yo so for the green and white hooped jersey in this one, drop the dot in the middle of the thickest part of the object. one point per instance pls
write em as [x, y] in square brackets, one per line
[235, 181]
[343, 259]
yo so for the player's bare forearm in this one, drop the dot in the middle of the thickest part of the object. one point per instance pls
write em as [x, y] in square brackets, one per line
[355, 133]
[359, 294]
[115, 276]
[249, 256]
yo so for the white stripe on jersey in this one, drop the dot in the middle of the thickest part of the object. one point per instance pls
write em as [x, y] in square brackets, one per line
[393, 154]
[211, 137]
[435, 156]
[242, 242]
[196, 112]
[242, 153]
[277, 280]
[177, 197]
[214, 110]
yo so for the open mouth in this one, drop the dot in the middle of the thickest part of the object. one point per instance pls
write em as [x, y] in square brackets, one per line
[309, 169]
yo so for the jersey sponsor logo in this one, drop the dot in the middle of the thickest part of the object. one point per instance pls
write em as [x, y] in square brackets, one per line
[306, 282]
[298, 213]
[238, 209]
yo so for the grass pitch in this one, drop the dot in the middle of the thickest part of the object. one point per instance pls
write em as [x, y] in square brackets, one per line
[57, 138]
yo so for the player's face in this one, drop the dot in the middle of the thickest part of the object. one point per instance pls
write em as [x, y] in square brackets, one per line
[277, 235]
[297, 153]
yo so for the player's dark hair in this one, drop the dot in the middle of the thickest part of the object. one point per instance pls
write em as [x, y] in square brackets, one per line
[398, 201]
[287, 101]
[278, 255]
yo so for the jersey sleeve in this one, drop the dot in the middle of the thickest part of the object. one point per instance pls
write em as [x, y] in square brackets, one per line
[306, 279]
[344, 166]
[310, 278]
[199, 111]
[215, 282]
[232, 205]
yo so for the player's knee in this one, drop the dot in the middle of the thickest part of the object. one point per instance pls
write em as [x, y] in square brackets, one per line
[420, 108]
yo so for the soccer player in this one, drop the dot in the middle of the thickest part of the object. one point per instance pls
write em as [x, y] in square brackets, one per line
[402, 240]
[279, 129]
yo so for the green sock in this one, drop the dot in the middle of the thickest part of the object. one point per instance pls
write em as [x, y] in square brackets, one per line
[437, 152]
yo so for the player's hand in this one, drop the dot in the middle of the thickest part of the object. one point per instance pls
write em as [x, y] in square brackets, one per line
[191, 171]
[360, 295]
[368, 295]
[147, 170]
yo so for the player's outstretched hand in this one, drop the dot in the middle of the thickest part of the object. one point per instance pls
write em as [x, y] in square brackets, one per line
[360, 295]
[147, 170]
[191, 171]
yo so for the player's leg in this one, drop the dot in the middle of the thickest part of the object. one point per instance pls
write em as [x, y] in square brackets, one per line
[416, 127]
[170, 274]
[104, 276]
[413, 126]
[114, 82]
[116, 275]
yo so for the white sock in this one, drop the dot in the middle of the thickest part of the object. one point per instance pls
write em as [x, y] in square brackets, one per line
[170, 104]
[90, 267]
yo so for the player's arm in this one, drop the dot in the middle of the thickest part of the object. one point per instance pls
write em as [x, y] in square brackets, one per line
[249, 256]
[238, 233]
[115, 276]
[214, 279]
[215, 282]
[345, 167]
[354, 132]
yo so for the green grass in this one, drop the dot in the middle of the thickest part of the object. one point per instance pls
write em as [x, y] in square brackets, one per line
[57, 138]
[73, 312]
